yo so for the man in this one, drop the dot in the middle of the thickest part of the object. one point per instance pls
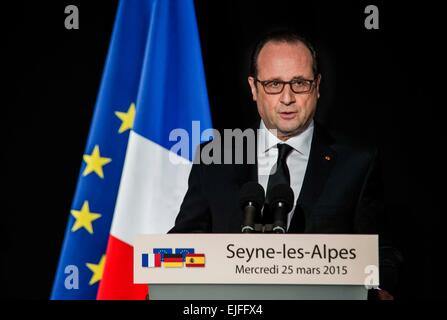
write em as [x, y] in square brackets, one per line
[335, 183]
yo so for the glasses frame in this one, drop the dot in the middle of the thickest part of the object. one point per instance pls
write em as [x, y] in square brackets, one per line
[312, 83]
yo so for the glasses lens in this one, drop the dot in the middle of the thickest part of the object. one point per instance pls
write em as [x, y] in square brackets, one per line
[273, 86]
[300, 86]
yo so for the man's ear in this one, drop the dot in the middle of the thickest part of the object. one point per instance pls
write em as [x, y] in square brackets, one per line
[317, 86]
[254, 91]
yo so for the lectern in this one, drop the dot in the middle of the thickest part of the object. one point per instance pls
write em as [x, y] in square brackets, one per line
[256, 266]
[255, 292]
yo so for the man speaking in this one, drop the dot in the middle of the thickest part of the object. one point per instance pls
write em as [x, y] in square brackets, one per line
[336, 184]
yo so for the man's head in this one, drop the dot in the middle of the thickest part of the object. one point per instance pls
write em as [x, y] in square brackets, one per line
[283, 57]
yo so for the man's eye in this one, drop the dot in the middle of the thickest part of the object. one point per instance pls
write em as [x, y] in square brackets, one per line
[275, 84]
[300, 83]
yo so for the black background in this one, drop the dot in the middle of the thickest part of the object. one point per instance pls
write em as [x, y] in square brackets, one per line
[378, 85]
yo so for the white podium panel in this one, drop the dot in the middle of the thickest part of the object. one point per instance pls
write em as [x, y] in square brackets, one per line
[255, 292]
[256, 266]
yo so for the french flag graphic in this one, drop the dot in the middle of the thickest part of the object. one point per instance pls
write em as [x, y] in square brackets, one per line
[151, 260]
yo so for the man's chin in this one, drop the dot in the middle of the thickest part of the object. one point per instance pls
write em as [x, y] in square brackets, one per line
[292, 129]
[288, 132]
[289, 127]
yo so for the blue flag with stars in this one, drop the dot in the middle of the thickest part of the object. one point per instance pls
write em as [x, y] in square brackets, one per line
[184, 252]
[82, 257]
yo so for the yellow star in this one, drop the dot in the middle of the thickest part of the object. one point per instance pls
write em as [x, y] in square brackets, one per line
[95, 162]
[84, 218]
[97, 270]
[127, 118]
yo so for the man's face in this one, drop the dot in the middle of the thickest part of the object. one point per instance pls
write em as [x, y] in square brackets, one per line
[288, 112]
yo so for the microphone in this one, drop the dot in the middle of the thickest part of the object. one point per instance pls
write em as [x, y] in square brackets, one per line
[251, 200]
[280, 199]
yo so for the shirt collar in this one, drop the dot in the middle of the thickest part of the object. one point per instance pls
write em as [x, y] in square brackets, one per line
[300, 142]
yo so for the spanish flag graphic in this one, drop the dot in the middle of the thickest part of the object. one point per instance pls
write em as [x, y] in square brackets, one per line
[195, 260]
[173, 261]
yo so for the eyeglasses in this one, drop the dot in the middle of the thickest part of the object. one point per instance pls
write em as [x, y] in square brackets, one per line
[297, 85]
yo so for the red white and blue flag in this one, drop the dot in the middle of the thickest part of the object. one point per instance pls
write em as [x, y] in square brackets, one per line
[131, 182]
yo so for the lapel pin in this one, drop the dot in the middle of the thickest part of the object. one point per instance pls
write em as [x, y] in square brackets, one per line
[328, 158]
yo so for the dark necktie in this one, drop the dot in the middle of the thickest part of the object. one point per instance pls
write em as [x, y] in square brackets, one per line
[281, 175]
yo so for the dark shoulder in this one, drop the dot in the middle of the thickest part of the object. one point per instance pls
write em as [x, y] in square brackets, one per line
[345, 143]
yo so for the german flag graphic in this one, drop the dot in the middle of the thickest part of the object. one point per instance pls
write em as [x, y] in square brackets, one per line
[173, 261]
[195, 260]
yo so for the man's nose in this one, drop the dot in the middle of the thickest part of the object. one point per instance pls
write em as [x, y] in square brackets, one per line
[287, 95]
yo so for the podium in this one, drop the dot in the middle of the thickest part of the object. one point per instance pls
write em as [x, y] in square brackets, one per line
[256, 266]
[255, 292]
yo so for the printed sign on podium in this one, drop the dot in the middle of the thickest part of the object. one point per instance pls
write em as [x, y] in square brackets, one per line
[288, 259]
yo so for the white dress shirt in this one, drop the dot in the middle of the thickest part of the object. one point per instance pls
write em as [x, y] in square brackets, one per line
[297, 160]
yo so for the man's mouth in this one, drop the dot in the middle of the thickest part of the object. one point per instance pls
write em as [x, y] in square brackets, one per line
[287, 115]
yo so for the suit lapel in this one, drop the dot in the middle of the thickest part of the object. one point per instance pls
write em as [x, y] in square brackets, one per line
[243, 173]
[321, 160]
[248, 172]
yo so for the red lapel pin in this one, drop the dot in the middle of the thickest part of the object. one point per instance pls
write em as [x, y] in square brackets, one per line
[328, 158]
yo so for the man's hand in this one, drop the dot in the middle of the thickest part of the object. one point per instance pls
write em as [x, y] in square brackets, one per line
[384, 295]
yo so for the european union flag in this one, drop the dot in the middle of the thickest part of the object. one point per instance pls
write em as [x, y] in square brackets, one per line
[82, 258]
[184, 252]
[153, 83]
[162, 252]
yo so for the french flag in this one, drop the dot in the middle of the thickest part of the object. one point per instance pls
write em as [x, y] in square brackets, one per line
[172, 96]
[151, 260]
[152, 96]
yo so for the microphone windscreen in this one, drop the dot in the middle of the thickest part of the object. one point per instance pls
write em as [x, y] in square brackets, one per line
[254, 192]
[281, 193]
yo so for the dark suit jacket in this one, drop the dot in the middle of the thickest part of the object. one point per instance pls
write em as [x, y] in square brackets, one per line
[341, 193]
